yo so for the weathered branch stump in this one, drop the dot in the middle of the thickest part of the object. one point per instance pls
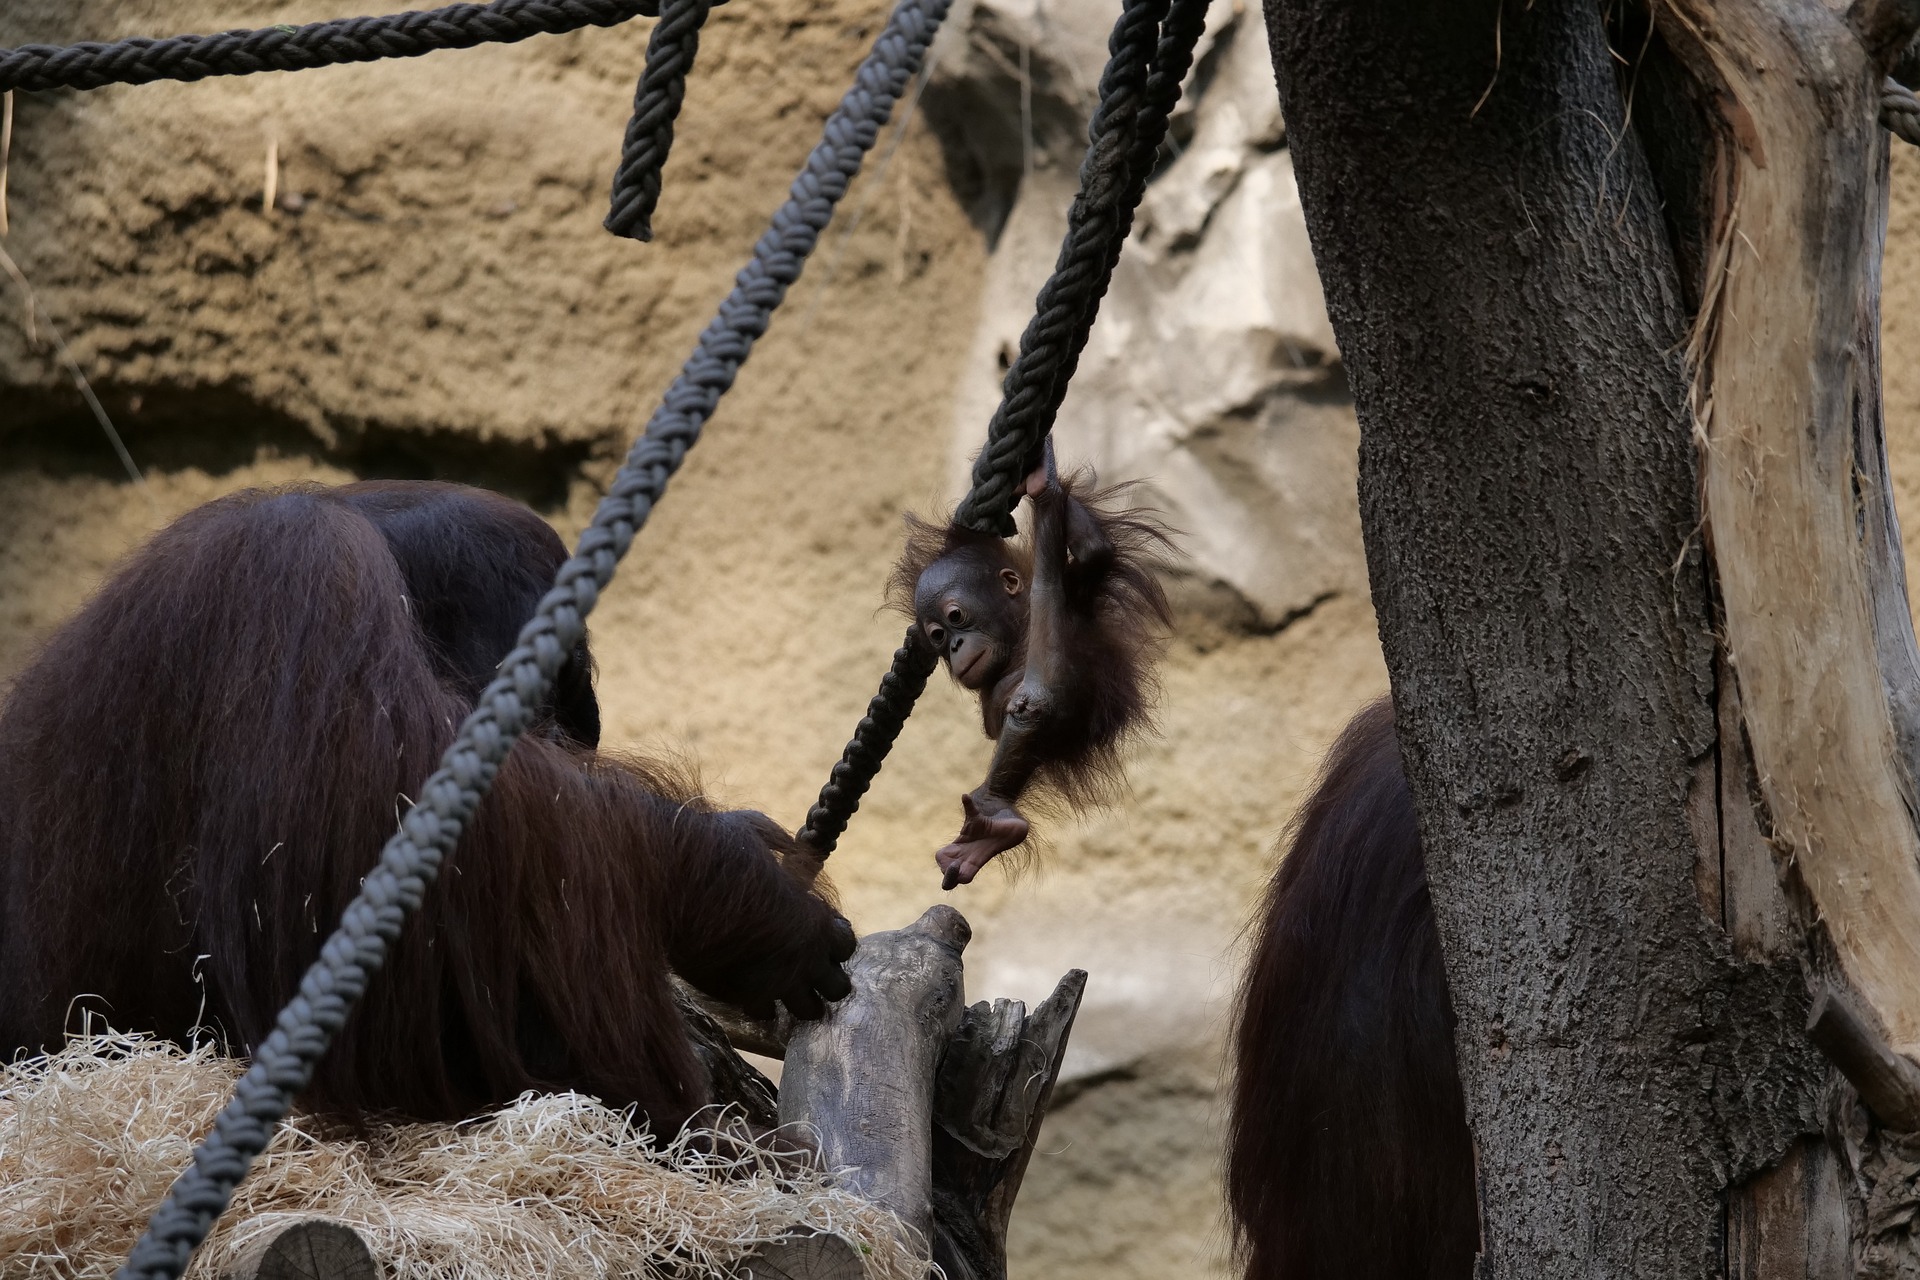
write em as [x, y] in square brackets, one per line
[765, 1036]
[921, 1104]
[1887, 1082]
[989, 1101]
[734, 1084]
[931, 1108]
[862, 1077]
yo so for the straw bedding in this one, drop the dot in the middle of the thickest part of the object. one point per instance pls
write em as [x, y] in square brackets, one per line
[550, 1188]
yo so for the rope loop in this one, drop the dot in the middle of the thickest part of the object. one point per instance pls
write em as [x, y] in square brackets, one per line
[656, 105]
[1900, 111]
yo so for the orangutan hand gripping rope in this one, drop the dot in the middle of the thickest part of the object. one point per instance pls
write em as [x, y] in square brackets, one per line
[1059, 640]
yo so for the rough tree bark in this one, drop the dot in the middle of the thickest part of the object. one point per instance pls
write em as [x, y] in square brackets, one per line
[1625, 706]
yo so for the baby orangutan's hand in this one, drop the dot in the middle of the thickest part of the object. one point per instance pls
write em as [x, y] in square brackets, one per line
[990, 827]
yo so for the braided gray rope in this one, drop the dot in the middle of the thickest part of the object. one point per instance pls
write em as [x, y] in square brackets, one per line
[859, 764]
[1900, 111]
[1172, 59]
[1071, 296]
[142, 60]
[283, 1064]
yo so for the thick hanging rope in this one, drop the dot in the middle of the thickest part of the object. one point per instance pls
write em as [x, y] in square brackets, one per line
[1149, 54]
[656, 104]
[1900, 111]
[283, 1064]
[141, 60]
[1172, 59]
[1071, 296]
[873, 737]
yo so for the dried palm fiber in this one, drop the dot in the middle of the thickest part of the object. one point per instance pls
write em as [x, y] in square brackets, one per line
[552, 1187]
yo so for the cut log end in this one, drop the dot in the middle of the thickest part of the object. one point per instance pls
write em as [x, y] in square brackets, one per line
[310, 1249]
[817, 1256]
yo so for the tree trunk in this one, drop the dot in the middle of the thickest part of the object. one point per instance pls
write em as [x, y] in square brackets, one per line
[1545, 312]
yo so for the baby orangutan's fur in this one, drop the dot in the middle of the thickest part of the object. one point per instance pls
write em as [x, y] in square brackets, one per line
[199, 767]
[1058, 638]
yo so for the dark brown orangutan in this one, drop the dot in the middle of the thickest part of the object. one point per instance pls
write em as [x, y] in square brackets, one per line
[1348, 1154]
[198, 768]
[1059, 640]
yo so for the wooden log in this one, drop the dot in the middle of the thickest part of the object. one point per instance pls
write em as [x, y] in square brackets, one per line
[989, 1101]
[765, 1036]
[307, 1249]
[805, 1255]
[1888, 1082]
[1786, 395]
[863, 1076]
[732, 1081]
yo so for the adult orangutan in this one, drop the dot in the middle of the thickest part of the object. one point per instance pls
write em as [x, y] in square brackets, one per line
[1349, 1156]
[198, 768]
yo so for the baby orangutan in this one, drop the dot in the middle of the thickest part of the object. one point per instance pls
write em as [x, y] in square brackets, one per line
[1059, 641]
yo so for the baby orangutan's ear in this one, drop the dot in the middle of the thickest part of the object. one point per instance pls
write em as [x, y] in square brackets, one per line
[1011, 581]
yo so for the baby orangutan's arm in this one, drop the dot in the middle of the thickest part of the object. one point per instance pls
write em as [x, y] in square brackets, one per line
[991, 824]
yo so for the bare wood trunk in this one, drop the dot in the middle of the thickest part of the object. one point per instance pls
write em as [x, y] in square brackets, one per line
[863, 1076]
[931, 1109]
[995, 1083]
[1786, 397]
[1785, 360]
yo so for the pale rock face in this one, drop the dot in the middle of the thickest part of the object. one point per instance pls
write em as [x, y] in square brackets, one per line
[1212, 376]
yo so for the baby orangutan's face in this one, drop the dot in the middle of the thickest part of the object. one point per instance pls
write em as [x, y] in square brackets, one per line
[971, 613]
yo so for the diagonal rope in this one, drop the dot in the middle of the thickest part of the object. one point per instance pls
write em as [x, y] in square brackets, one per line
[1069, 300]
[866, 751]
[1149, 54]
[283, 1064]
[1172, 59]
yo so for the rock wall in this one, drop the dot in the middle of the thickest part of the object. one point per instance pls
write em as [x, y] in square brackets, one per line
[430, 294]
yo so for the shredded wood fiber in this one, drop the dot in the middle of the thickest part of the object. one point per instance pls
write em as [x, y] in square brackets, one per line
[553, 1187]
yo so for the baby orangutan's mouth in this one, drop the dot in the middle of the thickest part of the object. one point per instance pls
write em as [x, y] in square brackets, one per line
[969, 665]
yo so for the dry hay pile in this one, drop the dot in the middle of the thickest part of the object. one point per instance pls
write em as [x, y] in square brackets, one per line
[552, 1186]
